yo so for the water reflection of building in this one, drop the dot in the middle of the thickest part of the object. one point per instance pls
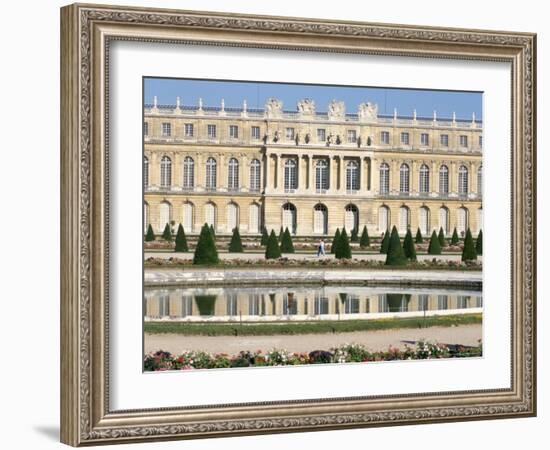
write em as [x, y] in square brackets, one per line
[233, 304]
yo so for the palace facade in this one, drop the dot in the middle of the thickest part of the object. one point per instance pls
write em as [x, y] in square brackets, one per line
[309, 171]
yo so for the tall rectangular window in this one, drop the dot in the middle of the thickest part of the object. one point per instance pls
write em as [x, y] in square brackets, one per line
[146, 128]
[188, 130]
[384, 137]
[405, 138]
[166, 129]
[424, 139]
[321, 135]
[233, 131]
[352, 136]
[211, 129]
[444, 140]
[255, 133]
[289, 134]
[464, 141]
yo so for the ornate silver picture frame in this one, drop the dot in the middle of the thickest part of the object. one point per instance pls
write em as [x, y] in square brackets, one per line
[87, 34]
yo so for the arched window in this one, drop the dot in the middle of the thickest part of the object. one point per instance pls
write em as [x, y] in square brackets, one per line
[187, 221]
[424, 220]
[352, 176]
[444, 219]
[404, 219]
[383, 219]
[210, 214]
[321, 175]
[211, 174]
[424, 179]
[255, 172]
[233, 175]
[320, 216]
[384, 179]
[462, 220]
[289, 217]
[165, 172]
[290, 175]
[443, 180]
[351, 221]
[479, 219]
[188, 173]
[145, 172]
[232, 216]
[404, 179]
[480, 181]
[463, 180]
[254, 218]
[164, 215]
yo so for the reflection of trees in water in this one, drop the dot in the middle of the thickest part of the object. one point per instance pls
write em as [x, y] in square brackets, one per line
[206, 304]
[398, 302]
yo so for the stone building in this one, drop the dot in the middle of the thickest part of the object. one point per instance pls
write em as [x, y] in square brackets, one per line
[309, 171]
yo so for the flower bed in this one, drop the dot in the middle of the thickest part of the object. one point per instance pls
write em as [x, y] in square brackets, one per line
[190, 360]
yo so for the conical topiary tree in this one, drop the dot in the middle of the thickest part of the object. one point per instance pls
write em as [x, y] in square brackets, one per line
[385, 244]
[435, 247]
[396, 255]
[441, 238]
[281, 232]
[469, 250]
[235, 245]
[212, 231]
[418, 238]
[335, 241]
[479, 243]
[205, 251]
[454, 237]
[272, 250]
[408, 246]
[365, 240]
[354, 235]
[150, 236]
[265, 237]
[286, 242]
[167, 233]
[343, 249]
[181, 240]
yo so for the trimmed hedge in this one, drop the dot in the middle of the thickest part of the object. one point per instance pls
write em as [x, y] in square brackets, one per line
[167, 233]
[435, 247]
[265, 237]
[286, 242]
[236, 245]
[181, 240]
[272, 250]
[385, 243]
[418, 238]
[335, 241]
[408, 246]
[343, 249]
[365, 239]
[150, 236]
[396, 255]
[454, 237]
[205, 252]
[479, 243]
[441, 238]
[469, 250]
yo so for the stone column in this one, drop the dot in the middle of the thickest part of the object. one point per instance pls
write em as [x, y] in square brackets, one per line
[310, 181]
[177, 171]
[342, 186]
[394, 176]
[280, 172]
[332, 174]
[472, 175]
[375, 176]
[221, 173]
[433, 173]
[244, 173]
[154, 170]
[267, 172]
[413, 177]
[453, 181]
[302, 173]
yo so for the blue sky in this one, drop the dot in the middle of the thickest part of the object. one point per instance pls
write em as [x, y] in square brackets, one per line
[256, 94]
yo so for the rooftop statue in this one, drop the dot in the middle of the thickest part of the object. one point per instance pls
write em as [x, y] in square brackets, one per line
[336, 110]
[306, 107]
[273, 108]
[368, 112]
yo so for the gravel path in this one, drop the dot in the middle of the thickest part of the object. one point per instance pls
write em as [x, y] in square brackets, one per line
[374, 340]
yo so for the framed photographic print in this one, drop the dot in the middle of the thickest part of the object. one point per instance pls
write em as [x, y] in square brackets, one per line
[279, 224]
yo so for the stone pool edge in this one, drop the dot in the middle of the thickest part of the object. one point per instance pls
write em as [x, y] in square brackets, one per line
[247, 277]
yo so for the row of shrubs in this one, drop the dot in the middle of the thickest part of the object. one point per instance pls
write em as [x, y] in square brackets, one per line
[193, 359]
[397, 253]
